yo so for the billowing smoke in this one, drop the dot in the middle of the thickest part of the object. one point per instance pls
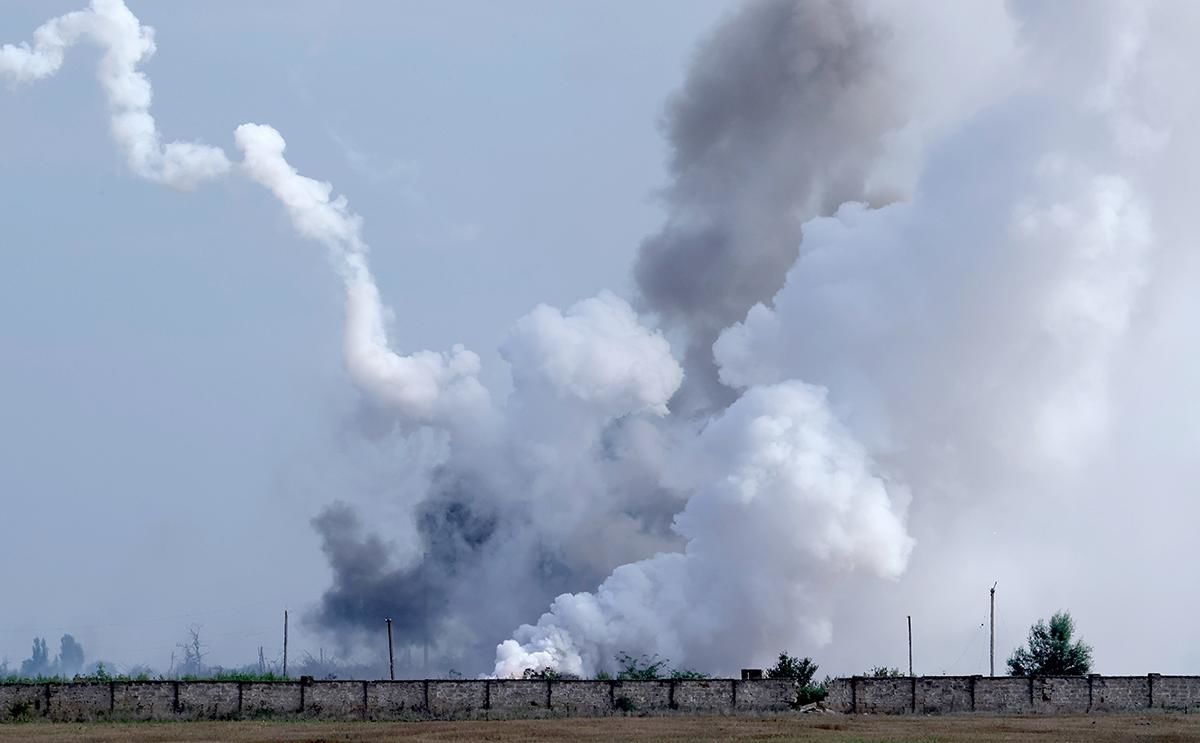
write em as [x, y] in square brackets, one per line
[963, 344]
[908, 255]
[774, 469]
[791, 109]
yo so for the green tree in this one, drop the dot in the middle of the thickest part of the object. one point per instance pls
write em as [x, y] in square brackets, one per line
[883, 672]
[802, 671]
[640, 667]
[1050, 651]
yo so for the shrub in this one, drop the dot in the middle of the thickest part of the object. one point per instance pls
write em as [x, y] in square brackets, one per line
[802, 671]
[640, 667]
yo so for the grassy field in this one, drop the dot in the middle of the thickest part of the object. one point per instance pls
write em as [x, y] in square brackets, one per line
[1083, 729]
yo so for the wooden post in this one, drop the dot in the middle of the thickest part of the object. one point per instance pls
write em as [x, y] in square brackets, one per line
[391, 657]
[285, 643]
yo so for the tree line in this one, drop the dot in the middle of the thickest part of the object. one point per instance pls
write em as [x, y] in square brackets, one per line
[1051, 649]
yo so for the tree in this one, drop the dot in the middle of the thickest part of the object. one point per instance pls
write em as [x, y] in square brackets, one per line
[70, 656]
[38, 663]
[1050, 651]
[640, 667]
[883, 672]
[802, 671]
[193, 655]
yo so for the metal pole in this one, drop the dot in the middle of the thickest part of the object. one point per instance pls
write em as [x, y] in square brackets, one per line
[391, 657]
[992, 641]
[910, 671]
[285, 643]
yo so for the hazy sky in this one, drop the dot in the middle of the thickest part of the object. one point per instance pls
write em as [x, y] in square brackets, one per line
[174, 404]
[1002, 323]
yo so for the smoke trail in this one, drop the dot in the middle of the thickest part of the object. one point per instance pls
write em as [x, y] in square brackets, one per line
[126, 44]
[420, 387]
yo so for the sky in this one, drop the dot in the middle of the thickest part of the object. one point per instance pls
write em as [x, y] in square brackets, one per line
[177, 410]
[787, 330]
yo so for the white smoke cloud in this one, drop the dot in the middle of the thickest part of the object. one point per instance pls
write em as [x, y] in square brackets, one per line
[971, 338]
[598, 352]
[126, 44]
[783, 500]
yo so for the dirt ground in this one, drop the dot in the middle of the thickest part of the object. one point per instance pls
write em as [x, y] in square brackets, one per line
[862, 729]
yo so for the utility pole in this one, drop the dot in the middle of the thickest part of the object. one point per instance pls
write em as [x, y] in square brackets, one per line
[285, 643]
[992, 641]
[425, 616]
[391, 658]
[910, 671]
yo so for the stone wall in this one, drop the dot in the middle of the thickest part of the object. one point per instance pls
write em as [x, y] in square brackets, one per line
[1014, 695]
[497, 699]
[386, 700]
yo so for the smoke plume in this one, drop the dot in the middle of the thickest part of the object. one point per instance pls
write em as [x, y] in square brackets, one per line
[789, 110]
[912, 257]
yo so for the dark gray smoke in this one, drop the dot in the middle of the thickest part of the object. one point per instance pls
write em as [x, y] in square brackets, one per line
[474, 572]
[783, 117]
[368, 586]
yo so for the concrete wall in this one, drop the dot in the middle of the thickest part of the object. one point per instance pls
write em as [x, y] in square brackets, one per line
[396, 700]
[493, 699]
[386, 700]
[1014, 695]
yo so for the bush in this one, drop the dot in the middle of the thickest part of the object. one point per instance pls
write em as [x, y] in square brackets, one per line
[547, 674]
[640, 667]
[687, 674]
[884, 672]
[802, 671]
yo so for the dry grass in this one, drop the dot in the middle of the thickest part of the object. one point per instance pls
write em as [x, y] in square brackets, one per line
[967, 729]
